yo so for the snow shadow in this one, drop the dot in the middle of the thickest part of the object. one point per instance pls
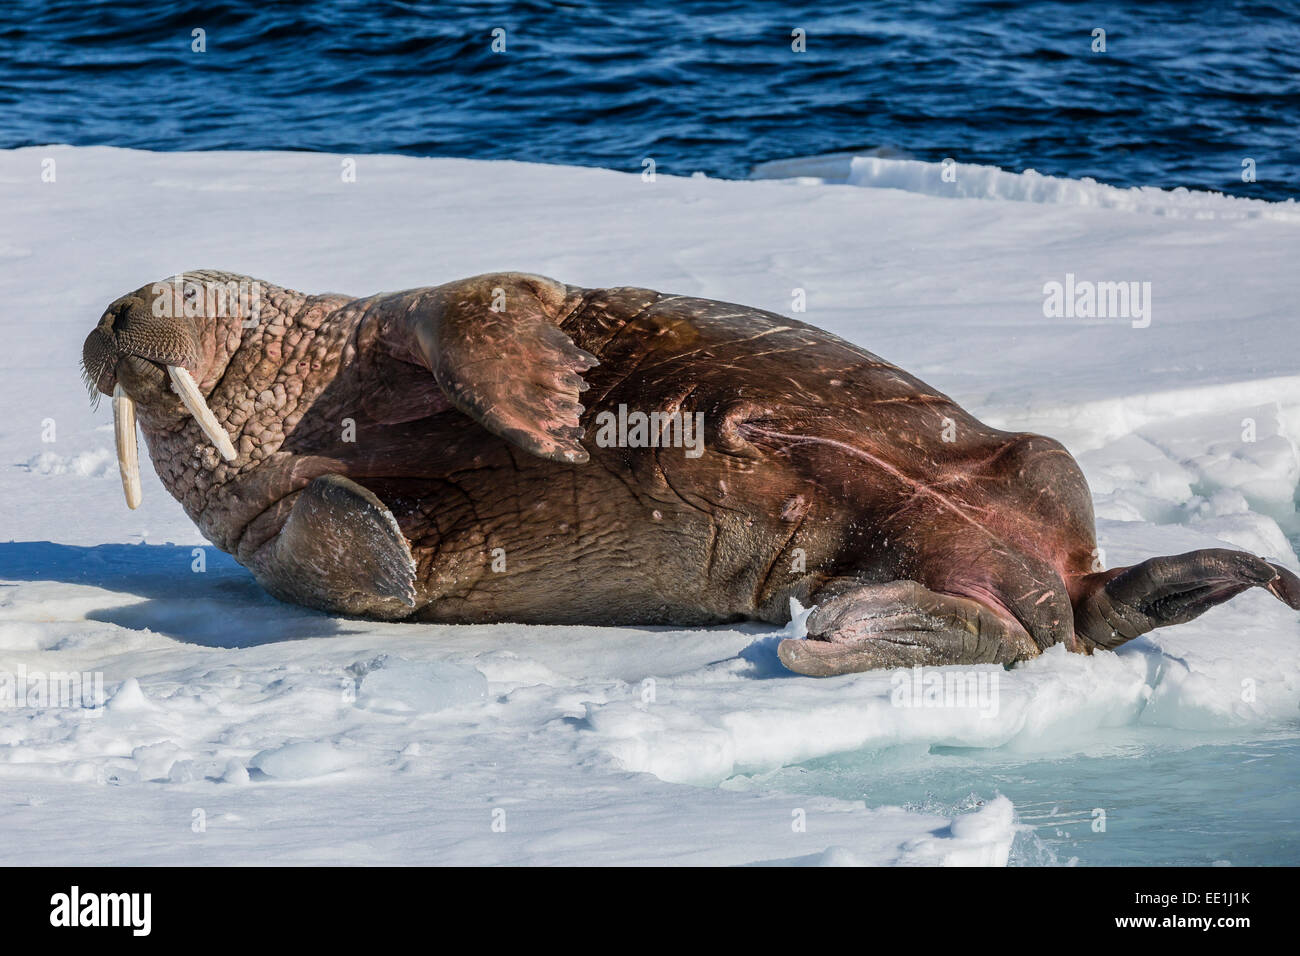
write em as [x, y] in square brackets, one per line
[220, 606]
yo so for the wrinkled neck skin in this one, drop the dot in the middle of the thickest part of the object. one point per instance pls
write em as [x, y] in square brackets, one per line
[258, 376]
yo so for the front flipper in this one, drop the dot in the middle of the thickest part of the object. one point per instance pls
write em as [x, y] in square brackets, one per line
[902, 624]
[341, 551]
[495, 349]
[1117, 606]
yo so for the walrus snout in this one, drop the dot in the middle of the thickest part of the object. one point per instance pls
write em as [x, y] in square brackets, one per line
[154, 346]
[99, 360]
[133, 328]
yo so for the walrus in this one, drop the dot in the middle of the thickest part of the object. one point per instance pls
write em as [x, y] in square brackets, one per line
[424, 455]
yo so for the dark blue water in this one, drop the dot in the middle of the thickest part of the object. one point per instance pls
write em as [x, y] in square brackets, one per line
[1184, 92]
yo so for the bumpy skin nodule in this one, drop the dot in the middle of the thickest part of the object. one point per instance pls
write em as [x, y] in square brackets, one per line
[396, 453]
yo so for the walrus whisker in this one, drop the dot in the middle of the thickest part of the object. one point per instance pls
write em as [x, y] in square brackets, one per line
[128, 453]
[94, 362]
[189, 392]
[95, 394]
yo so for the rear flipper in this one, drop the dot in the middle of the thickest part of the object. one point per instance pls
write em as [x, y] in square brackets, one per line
[1117, 606]
[902, 624]
[340, 551]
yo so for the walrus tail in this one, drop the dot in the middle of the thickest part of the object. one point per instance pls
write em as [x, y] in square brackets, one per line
[904, 624]
[1113, 607]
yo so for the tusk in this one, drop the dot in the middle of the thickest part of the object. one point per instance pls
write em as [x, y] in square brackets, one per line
[186, 388]
[128, 454]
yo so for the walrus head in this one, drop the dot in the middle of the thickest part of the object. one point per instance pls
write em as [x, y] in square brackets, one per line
[153, 347]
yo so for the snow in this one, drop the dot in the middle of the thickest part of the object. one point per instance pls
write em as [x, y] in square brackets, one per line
[235, 729]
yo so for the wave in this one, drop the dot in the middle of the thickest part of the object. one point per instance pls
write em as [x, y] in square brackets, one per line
[884, 169]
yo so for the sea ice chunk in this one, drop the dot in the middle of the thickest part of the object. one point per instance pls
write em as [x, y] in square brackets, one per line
[399, 686]
[310, 758]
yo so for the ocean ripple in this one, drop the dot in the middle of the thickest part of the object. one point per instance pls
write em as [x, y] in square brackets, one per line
[1184, 93]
